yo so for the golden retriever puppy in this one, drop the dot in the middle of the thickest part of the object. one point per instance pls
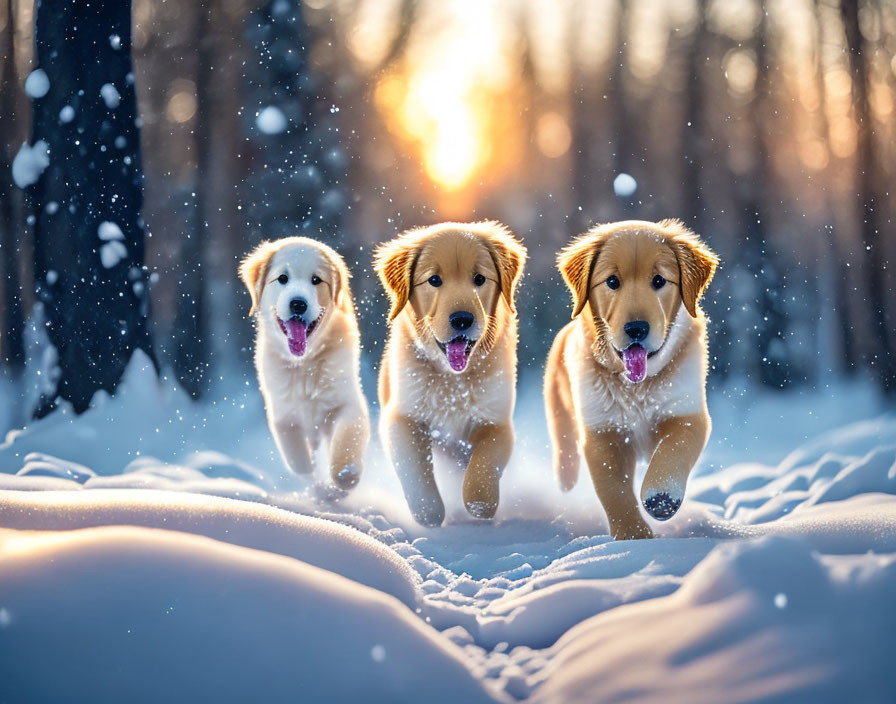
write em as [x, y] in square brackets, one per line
[448, 375]
[626, 379]
[307, 354]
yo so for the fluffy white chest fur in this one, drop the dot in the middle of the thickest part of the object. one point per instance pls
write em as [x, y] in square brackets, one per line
[674, 387]
[449, 404]
[306, 393]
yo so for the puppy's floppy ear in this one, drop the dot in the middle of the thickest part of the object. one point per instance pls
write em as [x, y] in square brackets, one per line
[696, 263]
[341, 276]
[509, 255]
[253, 270]
[394, 263]
[575, 262]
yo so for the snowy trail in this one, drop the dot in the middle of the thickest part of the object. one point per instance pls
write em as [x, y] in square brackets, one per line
[774, 582]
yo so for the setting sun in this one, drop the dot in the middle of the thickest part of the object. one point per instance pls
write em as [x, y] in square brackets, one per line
[438, 113]
[441, 101]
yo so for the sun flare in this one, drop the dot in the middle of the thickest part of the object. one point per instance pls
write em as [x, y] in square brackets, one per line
[438, 113]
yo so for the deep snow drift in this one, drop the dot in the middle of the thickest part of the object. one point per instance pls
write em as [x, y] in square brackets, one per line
[154, 549]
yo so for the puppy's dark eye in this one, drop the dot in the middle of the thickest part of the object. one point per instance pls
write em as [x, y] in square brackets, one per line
[315, 280]
[478, 280]
[613, 282]
[435, 280]
[658, 282]
[283, 279]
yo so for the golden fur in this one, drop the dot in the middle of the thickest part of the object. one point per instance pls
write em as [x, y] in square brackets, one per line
[590, 401]
[317, 395]
[424, 399]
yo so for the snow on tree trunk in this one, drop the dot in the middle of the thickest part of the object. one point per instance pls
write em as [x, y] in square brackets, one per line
[84, 180]
[296, 186]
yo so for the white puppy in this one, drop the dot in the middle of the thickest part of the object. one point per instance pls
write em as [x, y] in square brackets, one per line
[307, 354]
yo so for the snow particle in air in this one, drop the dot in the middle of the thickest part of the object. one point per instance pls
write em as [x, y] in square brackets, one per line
[115, 41]
[5, 618]
[624, 185]
[110, 95]
[109, 231]
[30, 163]
[113, 251]
[67, 114]
[378, 653]
[37, 85]
[271, 120]
[780, 600]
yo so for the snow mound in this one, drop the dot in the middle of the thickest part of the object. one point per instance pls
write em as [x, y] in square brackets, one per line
[139, 615]
[748, 593]
[764, 620]
[321, 543]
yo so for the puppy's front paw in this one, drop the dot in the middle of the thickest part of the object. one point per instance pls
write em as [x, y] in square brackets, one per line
[481, 491]
[662, 505]
[481, 509]
[347, 477]
[428, 513]
[637, 531]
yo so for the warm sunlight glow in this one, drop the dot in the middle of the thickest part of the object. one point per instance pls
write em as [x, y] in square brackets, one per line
[446, 100]
[438, 112]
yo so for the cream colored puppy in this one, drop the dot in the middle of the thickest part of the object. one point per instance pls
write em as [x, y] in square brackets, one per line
[626, 379]
[307, 354]
[448, 375]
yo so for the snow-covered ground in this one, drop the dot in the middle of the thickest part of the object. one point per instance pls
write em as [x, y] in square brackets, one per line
[154, 549]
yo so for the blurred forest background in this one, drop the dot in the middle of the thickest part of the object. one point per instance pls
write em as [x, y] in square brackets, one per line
[768, 126]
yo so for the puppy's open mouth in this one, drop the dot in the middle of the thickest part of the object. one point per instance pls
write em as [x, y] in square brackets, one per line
[297, 331]
[635, 357]
[457, 351]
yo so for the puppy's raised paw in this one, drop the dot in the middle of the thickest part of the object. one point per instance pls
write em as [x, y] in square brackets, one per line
[347, 477]
[662, 505]
[481, 509]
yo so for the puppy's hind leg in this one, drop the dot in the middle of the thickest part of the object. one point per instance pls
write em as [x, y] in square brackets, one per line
[350, 436]
[294, 448]
[410, 448]
[561, 418]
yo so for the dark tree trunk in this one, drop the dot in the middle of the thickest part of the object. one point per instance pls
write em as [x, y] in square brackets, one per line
[89, 237]
[11, 224]
[296, 187]
[191, 343]
[774, 366]
[695, 133]
[870, 201]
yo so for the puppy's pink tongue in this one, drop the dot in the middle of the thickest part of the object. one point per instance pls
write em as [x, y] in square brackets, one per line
[457, 354]
[296, 335]
[635, 360]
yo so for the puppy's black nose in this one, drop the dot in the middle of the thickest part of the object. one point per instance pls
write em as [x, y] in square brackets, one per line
[297, 306]
[637, 330]
[461, 320]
